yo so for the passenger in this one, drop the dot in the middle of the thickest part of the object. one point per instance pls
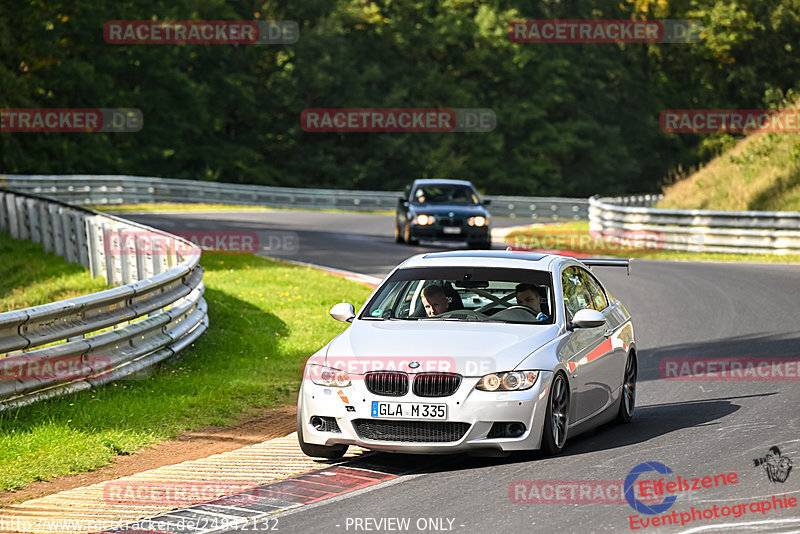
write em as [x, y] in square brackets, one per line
[528, 295]
[434, 300]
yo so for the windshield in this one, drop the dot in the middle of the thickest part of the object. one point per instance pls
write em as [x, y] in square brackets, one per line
[445, 194]
[466, 294]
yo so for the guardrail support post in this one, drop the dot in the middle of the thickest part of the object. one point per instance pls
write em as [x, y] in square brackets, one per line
[82, 238]
[45, 228]
[124, 256]
[110, 241]
[33, 221]
[13, 220]
[158, 246]
[141, 255]
[69, 236]
[57, 228]
[22, 222]
[3, 212]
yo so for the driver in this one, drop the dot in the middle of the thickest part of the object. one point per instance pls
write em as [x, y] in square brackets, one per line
[434, 300]
[528, 295]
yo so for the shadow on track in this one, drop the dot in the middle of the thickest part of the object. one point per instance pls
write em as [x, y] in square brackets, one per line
[649, 422]
[778, 345]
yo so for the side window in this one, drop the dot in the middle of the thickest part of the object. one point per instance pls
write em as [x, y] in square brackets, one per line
[575, 295]
[595, 290]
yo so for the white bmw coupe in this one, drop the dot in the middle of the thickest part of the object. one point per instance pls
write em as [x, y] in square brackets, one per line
[485, 351]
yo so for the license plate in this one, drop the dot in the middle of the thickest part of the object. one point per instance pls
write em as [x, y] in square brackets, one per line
[408, 410]
[451, 229]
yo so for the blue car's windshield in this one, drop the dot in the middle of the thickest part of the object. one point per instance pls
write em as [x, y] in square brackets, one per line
[444, 194]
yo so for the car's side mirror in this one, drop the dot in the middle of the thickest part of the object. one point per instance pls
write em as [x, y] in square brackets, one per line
[486, 202]
[405, 203]
[587, 318]
[344, 311]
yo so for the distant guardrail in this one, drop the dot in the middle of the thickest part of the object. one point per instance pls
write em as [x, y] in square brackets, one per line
[738, 232]
[110, 190]
[82, 342]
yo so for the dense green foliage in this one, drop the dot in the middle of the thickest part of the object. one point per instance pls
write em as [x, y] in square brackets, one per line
[572, 119]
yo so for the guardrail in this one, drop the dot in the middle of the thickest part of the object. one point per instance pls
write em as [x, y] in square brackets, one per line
[739, 232]
[82, 342]
[110, 190]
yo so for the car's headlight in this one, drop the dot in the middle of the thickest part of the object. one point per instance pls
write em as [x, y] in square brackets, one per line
[508, 381]
[478, 220]
[327, 376]
[425, 219]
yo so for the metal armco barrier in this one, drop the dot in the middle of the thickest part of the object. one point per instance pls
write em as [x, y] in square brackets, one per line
[110, 190]
[744, 232]
[82, 342]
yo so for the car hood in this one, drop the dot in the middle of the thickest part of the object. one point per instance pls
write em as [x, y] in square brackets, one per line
[468, 348]
[446, 209]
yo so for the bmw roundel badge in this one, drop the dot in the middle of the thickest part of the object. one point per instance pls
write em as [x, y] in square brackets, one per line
[413, 365]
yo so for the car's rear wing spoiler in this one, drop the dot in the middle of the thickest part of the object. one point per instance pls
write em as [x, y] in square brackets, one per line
[608, 263]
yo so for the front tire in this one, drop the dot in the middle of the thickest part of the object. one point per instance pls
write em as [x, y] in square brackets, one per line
[407, 237]
[317, 451]
[556, 424]
[627, 403]
[398, 236]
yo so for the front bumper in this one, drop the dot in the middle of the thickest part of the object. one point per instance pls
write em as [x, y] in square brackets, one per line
[477, 409]
[438, 231]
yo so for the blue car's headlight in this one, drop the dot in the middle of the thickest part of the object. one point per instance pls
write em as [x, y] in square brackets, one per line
[327, 376]
[508, 381]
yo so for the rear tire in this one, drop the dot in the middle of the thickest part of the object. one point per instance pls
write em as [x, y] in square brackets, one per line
[627, 402]
[318, 451]
[556, 423]
[398, 235]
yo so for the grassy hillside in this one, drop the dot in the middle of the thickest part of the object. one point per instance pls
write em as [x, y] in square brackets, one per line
[762, 172]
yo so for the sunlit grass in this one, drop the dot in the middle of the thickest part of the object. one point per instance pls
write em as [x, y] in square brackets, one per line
[30, 277]
[266, 318]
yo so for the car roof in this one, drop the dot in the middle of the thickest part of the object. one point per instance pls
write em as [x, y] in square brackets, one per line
[484, 258]
[442, 181]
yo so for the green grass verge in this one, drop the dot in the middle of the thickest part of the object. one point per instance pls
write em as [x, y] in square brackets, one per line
[30, 277]
[190, 208]
[574, 237]
[266, 318]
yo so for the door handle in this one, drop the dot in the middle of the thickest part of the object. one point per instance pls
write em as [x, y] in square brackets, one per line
[608, 332]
